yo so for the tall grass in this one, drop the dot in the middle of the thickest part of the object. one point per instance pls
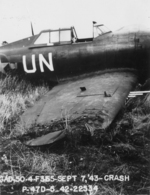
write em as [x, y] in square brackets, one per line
[16, 95]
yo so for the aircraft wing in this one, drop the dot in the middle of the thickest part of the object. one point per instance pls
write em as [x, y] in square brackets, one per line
[97, 95]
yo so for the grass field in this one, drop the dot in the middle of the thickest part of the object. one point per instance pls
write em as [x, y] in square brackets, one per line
[122, 149]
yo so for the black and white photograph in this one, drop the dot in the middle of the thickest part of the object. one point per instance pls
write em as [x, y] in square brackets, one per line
[75, 97]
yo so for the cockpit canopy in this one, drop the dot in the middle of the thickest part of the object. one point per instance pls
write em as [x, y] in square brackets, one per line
[60, 36]
[66, 36]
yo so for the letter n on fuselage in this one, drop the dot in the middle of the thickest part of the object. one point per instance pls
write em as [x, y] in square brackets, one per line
[49, 65]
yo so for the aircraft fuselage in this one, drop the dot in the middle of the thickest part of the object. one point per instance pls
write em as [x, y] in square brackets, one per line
[129, 49]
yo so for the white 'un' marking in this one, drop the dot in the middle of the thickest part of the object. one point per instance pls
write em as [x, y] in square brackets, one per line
[42, 61]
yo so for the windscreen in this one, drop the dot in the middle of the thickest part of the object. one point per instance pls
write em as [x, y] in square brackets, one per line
[100, 30]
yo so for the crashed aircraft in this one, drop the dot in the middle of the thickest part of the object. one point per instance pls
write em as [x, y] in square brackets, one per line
[78, 65]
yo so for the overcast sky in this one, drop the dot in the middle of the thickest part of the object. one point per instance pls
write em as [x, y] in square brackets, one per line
[16, 15]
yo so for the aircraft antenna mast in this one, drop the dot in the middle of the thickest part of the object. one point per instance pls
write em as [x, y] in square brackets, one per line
[93, 28]
[32, 29]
